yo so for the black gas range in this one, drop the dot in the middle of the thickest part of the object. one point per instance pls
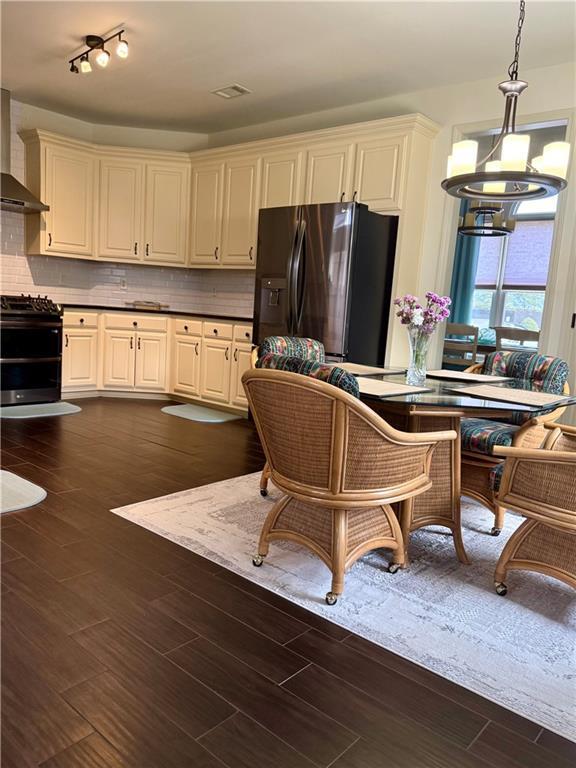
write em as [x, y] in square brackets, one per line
[30, 350]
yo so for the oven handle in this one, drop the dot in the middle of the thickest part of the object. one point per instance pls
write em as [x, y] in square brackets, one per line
[30, 359]
[25, 324]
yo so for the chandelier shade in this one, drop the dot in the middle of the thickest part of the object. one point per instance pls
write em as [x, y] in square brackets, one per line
[513, 177]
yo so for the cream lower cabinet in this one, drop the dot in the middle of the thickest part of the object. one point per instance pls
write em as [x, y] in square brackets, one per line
[80, 359]
[151, 359]
[241, 362]
[119, 359]
[215, 367]
[186, 364]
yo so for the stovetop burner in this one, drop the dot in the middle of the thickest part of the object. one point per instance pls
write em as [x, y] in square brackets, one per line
[29, 305]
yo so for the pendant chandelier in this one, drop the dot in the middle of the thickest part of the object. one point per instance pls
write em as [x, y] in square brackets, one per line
[512, 178]
[486, 220]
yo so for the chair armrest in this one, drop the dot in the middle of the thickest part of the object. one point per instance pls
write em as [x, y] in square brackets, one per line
[535, 454]
[563, 427]
[429, 437]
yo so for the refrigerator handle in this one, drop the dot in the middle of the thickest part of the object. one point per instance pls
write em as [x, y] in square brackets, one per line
[297, 301]
[290, 270]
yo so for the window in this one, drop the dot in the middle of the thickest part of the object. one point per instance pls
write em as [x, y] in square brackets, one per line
[512, 271]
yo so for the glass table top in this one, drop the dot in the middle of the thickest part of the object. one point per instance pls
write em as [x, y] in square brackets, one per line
[442, 393]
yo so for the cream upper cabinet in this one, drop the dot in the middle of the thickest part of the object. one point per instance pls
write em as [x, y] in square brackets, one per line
[80, 359]
[241, 362]
[240, 213]
[329, 172]
[69, 191]
[186, 354]
[121, 193]
[166, 213]
[151, 359]
[281, 179]
[215, 375]
[206, 219]
[119, 359]
[378, 172]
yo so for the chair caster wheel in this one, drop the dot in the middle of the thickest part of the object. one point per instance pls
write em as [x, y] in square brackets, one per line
[501, 588]
[495, 531]
[263, 492]
[394, 567]
[331, 598]
[257, 560]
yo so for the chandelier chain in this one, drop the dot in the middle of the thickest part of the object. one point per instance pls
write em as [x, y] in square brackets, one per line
[513, 68]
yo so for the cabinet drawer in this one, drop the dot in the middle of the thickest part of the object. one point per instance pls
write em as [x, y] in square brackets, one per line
[79, 319]
[136, 322]
[217, 330]
[188, 327]
[243, 333]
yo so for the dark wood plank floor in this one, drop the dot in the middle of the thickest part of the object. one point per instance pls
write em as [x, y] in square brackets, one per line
[122, 649]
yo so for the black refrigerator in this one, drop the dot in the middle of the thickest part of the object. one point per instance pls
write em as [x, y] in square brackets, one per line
[325, 271]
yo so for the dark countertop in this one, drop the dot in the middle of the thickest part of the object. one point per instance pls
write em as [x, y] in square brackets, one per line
[181, 313]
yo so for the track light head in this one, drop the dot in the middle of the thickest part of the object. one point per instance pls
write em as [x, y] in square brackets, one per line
[74, 69]
[85, 65]
[122, 48]
[102, 58]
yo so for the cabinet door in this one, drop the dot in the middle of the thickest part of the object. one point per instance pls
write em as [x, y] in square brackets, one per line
[240, 216]
[119, 358]
[206, 219]
[215, 374]
[166, 213]
[151, 361]
[186, 364]
[241, 362]
[329, 173]
[378, 172]
[281, 179]
[80, 359]
[121, 199]
[70, 195]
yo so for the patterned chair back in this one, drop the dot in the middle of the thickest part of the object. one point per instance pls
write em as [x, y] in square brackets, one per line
[293, 346]
[540, 372]
[331, 374]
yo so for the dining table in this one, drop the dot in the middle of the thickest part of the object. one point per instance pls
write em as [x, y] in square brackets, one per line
[442, 406]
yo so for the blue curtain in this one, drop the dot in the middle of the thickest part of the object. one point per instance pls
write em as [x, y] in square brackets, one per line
[464, 274]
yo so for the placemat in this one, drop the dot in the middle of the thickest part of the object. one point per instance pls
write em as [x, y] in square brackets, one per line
[520, 396]
[386, 388]
[464, 376]
[366, 370]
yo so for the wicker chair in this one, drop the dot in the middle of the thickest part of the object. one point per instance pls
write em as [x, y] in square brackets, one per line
[288, 346]
[480, 437]
[339, 467]
[541, 484]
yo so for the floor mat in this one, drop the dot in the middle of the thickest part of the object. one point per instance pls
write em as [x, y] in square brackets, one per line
[200, 413]
[18, 493]
[38, 410]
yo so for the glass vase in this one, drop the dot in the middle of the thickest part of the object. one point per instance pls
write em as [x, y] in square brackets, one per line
[419, 343]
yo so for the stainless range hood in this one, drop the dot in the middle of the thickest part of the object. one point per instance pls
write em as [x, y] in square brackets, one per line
[14, 195]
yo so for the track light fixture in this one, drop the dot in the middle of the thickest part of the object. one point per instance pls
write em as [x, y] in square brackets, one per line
[95, 44]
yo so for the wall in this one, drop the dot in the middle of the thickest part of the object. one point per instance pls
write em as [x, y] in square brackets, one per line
[226, 293]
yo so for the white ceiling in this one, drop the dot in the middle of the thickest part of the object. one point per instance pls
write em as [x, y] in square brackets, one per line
[297, 57]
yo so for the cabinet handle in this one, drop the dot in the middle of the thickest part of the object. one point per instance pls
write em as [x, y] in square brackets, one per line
[66, 337]
[342, 196]
[135, 249]
[131, 342]
[354, 196]
[138, 342]
[186, 328]
[81, 321]
[215, 331]
[226, 354]
[135, 323]
[49, 238]
[147, 249]
[216, 253]
[236, 355]
[250, 253]
[247, 334]
[196, 348]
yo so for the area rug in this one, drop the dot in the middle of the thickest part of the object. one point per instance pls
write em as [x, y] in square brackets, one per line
[38, 410]
[200, 413]
[517, 650]
[18, 493]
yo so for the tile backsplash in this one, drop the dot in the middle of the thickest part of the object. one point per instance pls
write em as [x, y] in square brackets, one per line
[68, 281]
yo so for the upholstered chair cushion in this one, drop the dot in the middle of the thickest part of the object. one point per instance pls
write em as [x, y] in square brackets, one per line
[496, 477]
[482, 435]
[323, 371]
[293, 346]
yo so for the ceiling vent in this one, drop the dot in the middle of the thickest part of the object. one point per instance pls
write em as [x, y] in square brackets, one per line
[231, 91]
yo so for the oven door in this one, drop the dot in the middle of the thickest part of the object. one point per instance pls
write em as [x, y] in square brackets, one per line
[35, 381]
[30, 340]
[30, 360]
